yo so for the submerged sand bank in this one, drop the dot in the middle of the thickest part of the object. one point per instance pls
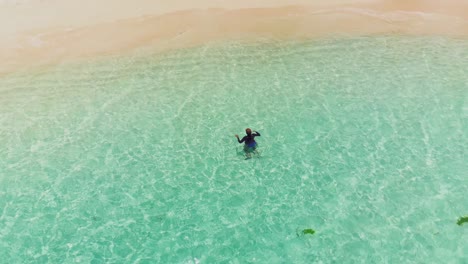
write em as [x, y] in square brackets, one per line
[36, 36]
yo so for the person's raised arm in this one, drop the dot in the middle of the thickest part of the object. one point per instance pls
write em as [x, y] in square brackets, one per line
[257, 134]
[238, 140]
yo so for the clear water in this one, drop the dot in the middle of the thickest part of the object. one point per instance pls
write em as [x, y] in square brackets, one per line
[134, 159]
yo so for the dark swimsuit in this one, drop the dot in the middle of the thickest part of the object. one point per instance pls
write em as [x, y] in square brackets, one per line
[249, 140]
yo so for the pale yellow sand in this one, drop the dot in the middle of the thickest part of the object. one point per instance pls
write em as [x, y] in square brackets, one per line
[38, 32]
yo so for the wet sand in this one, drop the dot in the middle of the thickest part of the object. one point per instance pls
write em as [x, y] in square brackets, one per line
[43, 32]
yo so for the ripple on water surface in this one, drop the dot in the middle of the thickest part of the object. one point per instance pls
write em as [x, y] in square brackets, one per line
[133, 159]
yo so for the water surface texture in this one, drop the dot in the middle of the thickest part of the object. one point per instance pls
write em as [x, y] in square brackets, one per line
[134, 160]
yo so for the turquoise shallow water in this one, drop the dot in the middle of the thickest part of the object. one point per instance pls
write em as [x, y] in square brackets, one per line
[133, 159]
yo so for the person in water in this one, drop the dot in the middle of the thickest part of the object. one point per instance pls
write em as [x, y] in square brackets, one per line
[249, 140]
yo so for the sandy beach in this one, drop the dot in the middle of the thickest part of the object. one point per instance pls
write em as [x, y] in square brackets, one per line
[43, 32]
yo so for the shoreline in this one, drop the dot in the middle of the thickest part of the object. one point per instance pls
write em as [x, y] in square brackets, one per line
[188, 28]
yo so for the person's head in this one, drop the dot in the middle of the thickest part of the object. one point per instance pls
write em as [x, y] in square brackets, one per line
[248, 131]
